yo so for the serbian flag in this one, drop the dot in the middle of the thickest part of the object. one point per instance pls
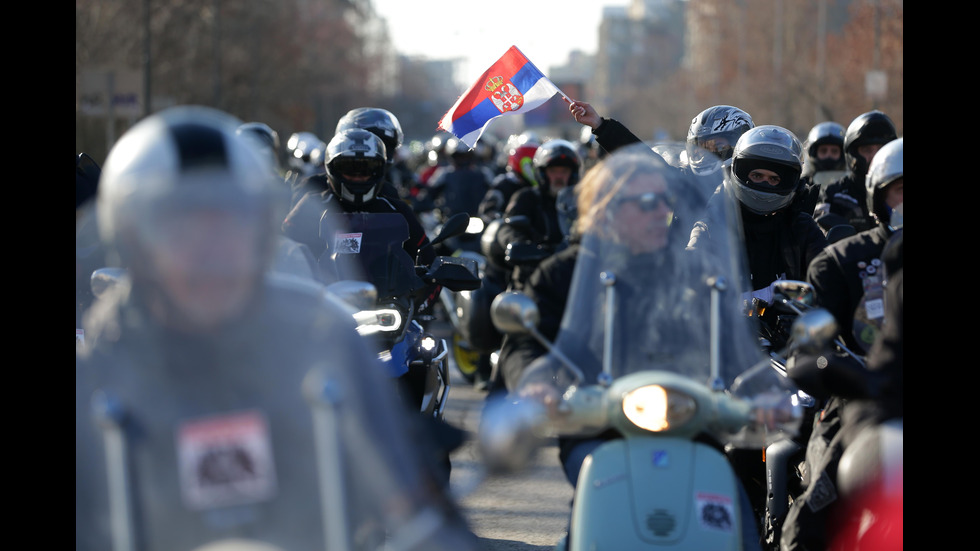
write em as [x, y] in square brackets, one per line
[511, 86]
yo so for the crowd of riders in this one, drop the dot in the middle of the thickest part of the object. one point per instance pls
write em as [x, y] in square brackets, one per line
[188, 202]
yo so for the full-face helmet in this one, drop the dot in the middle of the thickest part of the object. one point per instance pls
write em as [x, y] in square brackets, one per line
[300, 147]
[380, 122]
[520, 159]
[356, 166]
[265, 137]
[873, 127]
[715, 130]
[885, 169]
[825, 133]
[556, 153]
[771, 148]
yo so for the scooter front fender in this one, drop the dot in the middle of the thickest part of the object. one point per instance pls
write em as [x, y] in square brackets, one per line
[653, 493]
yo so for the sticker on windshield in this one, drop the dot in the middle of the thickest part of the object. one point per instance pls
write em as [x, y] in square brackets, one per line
[347, 243]
[715, 512]
[225, 460]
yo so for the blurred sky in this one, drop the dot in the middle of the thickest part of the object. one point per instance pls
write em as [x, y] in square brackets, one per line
[545, 30]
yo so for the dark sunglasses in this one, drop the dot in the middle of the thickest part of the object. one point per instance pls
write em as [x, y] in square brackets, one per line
[648, 201]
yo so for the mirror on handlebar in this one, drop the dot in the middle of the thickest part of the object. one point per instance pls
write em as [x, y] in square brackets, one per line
[796, 291]
[456, 225]
[105, 279]
[514, 312]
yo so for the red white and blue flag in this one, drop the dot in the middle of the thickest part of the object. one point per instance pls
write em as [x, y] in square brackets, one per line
[511, 86]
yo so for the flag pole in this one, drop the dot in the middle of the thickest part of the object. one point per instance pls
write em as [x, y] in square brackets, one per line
[563, 96]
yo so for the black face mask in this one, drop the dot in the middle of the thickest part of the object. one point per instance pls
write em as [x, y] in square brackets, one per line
[821, 165]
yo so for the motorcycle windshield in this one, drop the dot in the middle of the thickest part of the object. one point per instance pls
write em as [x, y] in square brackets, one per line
[369, 247]
[641, 297]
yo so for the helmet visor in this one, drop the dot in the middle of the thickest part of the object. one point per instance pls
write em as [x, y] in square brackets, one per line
[354, 168]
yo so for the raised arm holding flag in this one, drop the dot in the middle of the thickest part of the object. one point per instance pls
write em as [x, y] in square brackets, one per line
[511, 86]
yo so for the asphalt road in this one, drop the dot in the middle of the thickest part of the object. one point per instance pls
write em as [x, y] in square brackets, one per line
[525, 511]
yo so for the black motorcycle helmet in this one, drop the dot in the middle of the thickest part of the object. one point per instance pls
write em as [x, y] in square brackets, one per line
[267, 138]
[886, 168]
[772, 148]
[459, 153]
[380, 122]
[556, 153]
[356, 153]
[87, 173]
[873, 127]
[720, 121]
[825, 133]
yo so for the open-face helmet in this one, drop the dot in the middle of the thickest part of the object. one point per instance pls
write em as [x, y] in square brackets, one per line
[715, 130]
[885, 169]
[356, 166]
[873, 127]
[772, 148]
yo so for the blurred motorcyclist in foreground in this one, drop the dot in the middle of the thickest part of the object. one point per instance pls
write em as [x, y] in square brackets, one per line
[219, 405]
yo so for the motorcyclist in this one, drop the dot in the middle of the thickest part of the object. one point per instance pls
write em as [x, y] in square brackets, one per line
[400, 182]
[849, 270]
[763, 177]
[457, 187]
[824, 153]
[710, 138]
[355, 172]
[217, 404]
[557, 166]
[355, 169]
[303, 159]
[823, 164]
[518, 174]
[840, 271]
[870, 476]
[843, 201]
[632, 203]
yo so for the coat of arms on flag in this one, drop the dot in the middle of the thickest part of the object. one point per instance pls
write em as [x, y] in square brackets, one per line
[505, 95]
[511, 86]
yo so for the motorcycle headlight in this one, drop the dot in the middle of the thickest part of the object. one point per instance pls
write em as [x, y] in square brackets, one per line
[386, 320]
[655, 408]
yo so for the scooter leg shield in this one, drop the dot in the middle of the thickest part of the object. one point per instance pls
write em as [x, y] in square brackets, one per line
[653, 493]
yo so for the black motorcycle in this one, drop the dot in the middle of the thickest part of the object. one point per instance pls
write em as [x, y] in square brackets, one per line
[368, 248]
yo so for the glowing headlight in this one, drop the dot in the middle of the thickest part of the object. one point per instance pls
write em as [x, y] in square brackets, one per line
[373, 321]
[475, 226]
[655, 408]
